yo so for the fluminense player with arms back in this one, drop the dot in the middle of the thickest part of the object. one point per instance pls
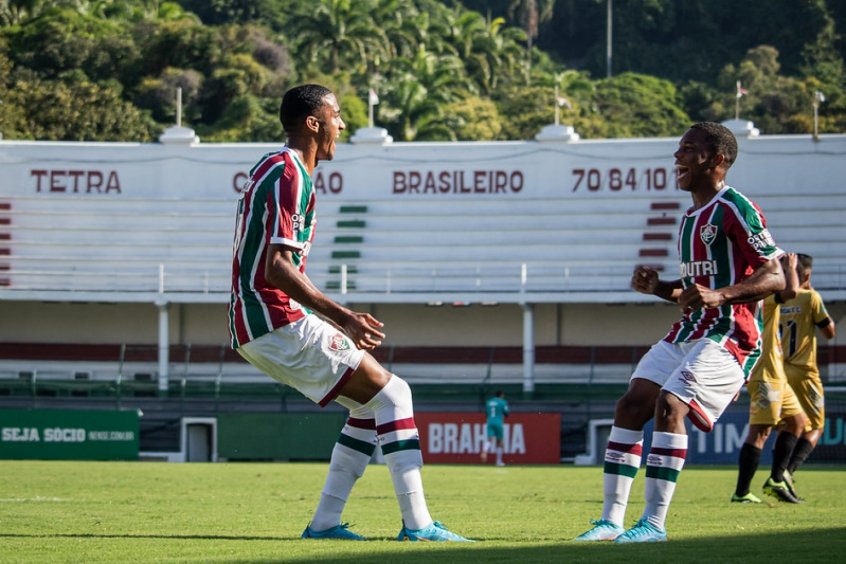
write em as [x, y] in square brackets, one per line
[273, 326]
[729, 263]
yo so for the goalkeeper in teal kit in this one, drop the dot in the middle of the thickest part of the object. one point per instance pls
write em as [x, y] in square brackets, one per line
[496, 410]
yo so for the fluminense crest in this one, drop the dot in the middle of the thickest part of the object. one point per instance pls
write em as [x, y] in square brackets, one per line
[708, 233]
[339, 343]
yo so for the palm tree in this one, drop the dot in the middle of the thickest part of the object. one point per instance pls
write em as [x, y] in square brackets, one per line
[339, 34]
[531, 14]
[404, 26]
[14, 12]
[417, 90]
[488, 49]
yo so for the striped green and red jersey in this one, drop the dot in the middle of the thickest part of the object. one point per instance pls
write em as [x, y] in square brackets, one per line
[277, 207]
[721, 244]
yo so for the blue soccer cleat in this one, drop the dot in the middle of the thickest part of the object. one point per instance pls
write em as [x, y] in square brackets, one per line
[603, 530]
[643, 531]
[338, 532]
[436, 532]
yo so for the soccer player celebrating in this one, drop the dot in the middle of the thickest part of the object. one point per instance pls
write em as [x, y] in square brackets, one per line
[729, 263]
[273, 326]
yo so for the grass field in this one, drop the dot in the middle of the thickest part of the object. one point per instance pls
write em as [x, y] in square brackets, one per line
[158, 512]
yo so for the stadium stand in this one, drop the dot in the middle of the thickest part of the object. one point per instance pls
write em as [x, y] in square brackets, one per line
[152, 224]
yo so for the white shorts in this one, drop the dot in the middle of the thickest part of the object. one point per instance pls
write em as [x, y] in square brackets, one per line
[701, 373]
[310, 355]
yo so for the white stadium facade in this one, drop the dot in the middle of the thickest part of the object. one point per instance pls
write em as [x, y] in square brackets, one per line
[492, 264]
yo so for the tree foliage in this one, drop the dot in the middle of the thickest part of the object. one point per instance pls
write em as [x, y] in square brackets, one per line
[444, 70]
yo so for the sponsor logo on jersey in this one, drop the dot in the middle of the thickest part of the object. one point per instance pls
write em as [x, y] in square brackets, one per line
[708, 233]
[339, 343]
[762, 240]
[299, 222]
[698, 268]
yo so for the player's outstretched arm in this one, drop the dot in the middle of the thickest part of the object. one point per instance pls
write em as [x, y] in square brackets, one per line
[280, 271]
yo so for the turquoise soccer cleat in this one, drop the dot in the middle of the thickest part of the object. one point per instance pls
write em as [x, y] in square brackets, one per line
[602, 530]
[436, 532]
[643, 531]
[338, 532]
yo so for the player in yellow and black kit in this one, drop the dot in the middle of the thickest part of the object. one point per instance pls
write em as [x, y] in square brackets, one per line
[772, 403]
[800, 318]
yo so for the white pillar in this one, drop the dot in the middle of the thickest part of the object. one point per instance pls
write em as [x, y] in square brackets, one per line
[528, 349]
[164, 345]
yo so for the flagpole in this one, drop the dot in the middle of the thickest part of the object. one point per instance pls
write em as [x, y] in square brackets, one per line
[819, 97]
[372, 100]
[557, 106]
[738, 94]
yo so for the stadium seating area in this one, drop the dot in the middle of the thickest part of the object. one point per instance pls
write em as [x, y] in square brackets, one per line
[154, 243]
[130, 249]
[136, 250]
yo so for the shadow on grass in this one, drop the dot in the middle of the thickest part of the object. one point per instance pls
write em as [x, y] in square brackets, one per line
[141, 536]
[818, 545]
[825, 545]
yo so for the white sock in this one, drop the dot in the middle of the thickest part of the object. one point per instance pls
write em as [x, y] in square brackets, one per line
[499, 455]
[622, 460]
[400, 443]
[664, 463]
[350, 457]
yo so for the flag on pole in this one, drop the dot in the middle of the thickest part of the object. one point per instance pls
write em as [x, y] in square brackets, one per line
[563, 102]
[741, 91]
[372, 97]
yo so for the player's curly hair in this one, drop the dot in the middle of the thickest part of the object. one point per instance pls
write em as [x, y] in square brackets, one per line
[300, 102]
[720, 140]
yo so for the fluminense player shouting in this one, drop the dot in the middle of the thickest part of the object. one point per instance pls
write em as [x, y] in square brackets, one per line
[273, 324]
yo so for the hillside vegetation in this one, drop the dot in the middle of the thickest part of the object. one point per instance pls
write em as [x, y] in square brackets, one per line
[109, 69]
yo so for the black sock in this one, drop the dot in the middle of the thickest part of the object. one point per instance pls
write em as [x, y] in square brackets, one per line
[801, 452]
[750, 457]
[784, 445]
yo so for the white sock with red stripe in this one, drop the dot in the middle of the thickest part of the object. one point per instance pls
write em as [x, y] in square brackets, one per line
[400, 443]
[622, 460]
[350, 458]
[664, 463]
